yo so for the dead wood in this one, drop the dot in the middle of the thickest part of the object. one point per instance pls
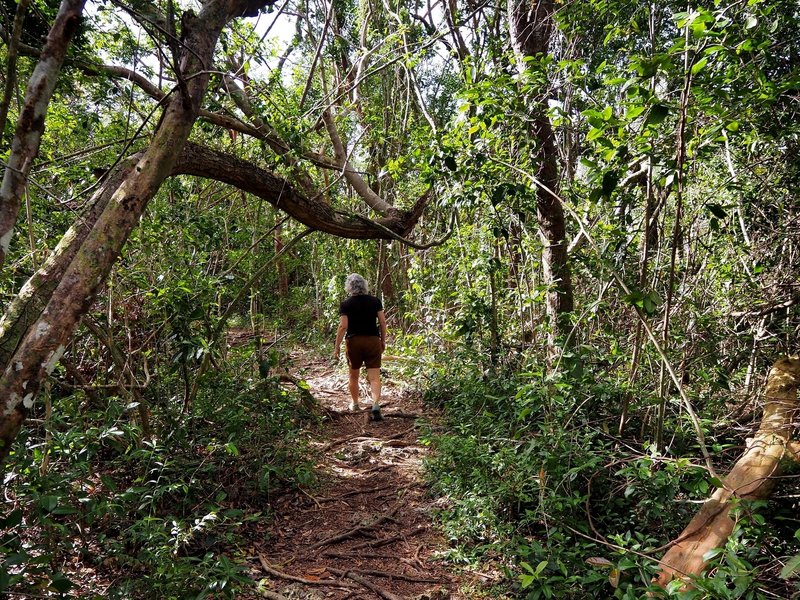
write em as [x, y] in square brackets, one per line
[366, 583]
[401, 415]
[752, 477]
[389, 540]
[358, 530]
[272, 595]
[351, 493]
[414, 563]
[402, 434]
[281, 575]
[402, 576]
[338, 442]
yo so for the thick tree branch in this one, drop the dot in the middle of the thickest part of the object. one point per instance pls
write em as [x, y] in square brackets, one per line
[311, 211]
[752, 477]
[45, 341]
[372, 199]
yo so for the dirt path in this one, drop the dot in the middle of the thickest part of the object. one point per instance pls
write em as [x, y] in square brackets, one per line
[366, 533]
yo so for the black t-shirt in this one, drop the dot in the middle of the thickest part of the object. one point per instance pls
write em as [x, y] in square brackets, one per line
[362, 314]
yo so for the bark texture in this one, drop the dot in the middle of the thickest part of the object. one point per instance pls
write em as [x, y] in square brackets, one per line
[27, 306]
[30, 126]
[42, 346]
[752, 477]
[531, 27]
[311, 211]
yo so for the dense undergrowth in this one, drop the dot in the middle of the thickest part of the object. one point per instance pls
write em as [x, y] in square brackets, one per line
[538, 485]
[157, 518]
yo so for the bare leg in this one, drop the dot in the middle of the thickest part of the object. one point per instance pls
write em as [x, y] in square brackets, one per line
[352, 385]
[374, 376]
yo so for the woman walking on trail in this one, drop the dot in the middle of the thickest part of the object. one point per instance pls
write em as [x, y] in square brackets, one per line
[363, 325]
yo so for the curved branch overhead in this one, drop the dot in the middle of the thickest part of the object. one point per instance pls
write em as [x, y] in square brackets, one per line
[202, 161]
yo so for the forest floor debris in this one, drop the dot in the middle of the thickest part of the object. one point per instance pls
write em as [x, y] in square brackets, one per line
[365, 532]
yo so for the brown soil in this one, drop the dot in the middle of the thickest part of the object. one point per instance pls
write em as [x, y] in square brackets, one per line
[366, 532]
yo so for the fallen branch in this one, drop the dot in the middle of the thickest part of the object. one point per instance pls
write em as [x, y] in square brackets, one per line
[360, 529]
[402, 576]
[401, 415]
[272, 595]
[357, 492]
[752, 478]
[321, 582]
[366, 583]
[338, 442]
[414, 563]
[402, 434]
[389, 540]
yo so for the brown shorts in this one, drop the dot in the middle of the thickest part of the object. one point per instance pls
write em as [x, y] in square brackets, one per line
[363, 350]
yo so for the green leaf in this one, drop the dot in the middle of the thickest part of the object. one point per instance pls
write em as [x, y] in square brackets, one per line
[750, 22]
[61, 584]
[711, 554]
[699, 65]
[716, 482]
[13, 519]
[791, 567]
[634, 111]
[595, 133]
[717, 211]
[48, 503]
[658, 112]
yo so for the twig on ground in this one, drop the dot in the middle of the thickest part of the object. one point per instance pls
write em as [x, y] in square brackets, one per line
[360, 529]
[324, 582]
[334, 443]
[368, 584]
[357, 492]
[401, 415]
[272, 595]
[396, 576]
[389, 540]
[402, 434]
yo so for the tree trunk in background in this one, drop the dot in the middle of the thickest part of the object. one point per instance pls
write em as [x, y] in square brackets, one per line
[27, 306]
[752, 477]
[531, 27]
[283, 279]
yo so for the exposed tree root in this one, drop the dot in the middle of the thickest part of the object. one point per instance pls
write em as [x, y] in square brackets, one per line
[389, 540]
[315, 582]
[366, 583]
[358, 530]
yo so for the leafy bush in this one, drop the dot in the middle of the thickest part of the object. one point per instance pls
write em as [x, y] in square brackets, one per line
[160, 518]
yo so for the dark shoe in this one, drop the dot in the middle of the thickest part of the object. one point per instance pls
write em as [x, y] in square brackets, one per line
[376, 415]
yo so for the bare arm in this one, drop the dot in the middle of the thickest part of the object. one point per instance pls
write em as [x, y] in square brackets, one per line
[382, 323]
[340, 335]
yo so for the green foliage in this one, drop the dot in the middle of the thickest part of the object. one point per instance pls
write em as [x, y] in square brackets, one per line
[161, 518]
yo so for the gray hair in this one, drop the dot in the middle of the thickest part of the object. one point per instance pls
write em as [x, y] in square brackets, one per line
[355, 284]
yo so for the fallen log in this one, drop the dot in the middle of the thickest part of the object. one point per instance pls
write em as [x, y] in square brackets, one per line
[752, 477]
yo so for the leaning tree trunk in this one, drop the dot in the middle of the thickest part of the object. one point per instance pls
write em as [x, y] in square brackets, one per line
[42, 346]
[30, 125]
[752, 477]
[531, 25]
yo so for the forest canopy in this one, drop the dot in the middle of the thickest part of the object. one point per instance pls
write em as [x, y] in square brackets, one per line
[581, 219]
